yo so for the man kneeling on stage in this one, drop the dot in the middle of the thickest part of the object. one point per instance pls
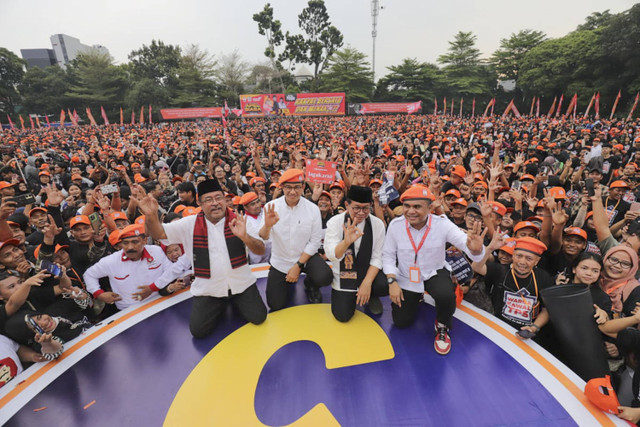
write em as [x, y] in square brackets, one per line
[216, 240]
[353, 243]
[413, 257]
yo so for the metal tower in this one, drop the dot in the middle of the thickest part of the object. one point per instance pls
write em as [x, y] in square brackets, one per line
[375, 8]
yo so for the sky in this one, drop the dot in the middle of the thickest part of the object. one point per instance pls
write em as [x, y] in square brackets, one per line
[406, 28]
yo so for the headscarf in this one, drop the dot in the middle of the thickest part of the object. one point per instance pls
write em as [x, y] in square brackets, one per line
[611, 286]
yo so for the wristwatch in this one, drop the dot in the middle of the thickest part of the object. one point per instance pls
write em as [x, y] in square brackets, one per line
[390, 280]
[299, 264]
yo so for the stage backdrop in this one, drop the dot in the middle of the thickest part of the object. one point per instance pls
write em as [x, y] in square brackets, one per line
[190, 113]
[299, 104]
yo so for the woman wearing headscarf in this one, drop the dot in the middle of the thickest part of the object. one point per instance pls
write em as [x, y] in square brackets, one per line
[618, 279]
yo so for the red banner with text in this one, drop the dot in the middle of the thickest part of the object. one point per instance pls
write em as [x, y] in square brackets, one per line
[320, 171]
[190, 113]
[385, 107]
[300, 104]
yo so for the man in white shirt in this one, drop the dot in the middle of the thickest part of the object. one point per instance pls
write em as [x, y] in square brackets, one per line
[413, 259]
[255, 221]
[353, 243]
[294, 226]
[132, 271]
[216, 241]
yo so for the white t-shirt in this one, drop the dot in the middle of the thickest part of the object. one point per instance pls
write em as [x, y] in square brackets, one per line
[10, 365]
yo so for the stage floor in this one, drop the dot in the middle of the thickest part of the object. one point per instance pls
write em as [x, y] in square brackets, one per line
[300, 366]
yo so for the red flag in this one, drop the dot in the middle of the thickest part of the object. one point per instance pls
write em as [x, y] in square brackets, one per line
[586, 113]
[435, 106]
[121, 117]
[104, 116]
[489, 105]
[575, 106]
[461, 102]
[538, 107]
[615, 104]
[91, 119]
[533, 101]
[493, 104]
[62, 116]
[72, 118]
[133, 117]
[553, 106]
[76, 118]
[31, 120]
[506, 110]
[47, 118]
[453, 101]
[38, 122]
[559, 105]
[10, 122]
[597, 106]
[150, 120]
[142, 115]
[635, 104]
[572, 104]
[473, 108]
[515, 110]
[444, 109]
[21, 121]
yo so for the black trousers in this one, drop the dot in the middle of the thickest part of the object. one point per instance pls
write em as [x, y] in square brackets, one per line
[206, 311]
[318, 273]
[343, 303]
[441, 289]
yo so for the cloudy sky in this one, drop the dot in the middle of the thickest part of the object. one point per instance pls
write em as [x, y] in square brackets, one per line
[406, 28]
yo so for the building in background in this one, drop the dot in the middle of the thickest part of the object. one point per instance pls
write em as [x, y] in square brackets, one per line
[64, 50]
[67, 48]
[39, 57]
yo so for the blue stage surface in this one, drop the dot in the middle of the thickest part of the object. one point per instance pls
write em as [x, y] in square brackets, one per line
[300, 366]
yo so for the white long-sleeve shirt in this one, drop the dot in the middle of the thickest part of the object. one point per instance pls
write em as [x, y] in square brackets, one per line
[177, 270]
[335, 234]
[223, 278]
[254, 224]
[431, 256]
[125, 275]
[298, 230]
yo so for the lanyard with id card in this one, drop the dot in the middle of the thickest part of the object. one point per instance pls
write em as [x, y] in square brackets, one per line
[414, 270]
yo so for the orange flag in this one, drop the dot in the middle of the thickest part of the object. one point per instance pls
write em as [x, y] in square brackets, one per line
[121, 117]
[62, 116]
[142, 115]
[635, 104]
[91, 119]
[615, 104]
[21, 121]
[553, 106]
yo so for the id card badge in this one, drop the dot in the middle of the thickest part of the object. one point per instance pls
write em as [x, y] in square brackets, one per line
[414, 274]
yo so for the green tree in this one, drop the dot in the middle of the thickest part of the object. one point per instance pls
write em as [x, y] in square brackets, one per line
[231, 74]
[619, 42]
[508, 58]
[11, 74]
[158, 63]
[195, 79]
[410, 81]
[465, 74]
[97, 82]
[596, 20]
[44, 90]
[322, 39]
[350, 72]
[272, 29]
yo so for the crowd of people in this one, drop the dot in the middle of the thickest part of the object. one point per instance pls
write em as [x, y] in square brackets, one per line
[486, 209]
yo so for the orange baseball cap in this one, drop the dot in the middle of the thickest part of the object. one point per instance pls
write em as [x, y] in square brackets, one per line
[453, 192]
[118, 215]
[459, 171]
[57, 248]
[526, 224]
[12, 242]
[575, 231]
[619, 184]
[557, 193]
[498, 208]
[5, 184]
[530, 244]
[509, 245]
[460, 201]
[600, 392]
[190, 210]
[79, 219]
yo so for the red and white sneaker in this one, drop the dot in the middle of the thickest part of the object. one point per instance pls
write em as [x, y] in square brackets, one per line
[442, 343]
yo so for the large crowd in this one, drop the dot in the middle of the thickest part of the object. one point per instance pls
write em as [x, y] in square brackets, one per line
[486, 209]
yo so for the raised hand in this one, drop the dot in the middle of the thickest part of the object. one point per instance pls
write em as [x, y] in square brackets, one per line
[351, 232]
[271, 217]
[54, 196]
[498, 240]
[7, 208]
[238, 226]
[148, 205]
[558, 215]
[475, 238]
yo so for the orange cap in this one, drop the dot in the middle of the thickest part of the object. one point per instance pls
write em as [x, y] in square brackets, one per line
[132, 230]
[619, 184]
[530, 244]
[459, 171]
[575, 231]
[460, 201]
[291, 175]
[557, 193]
[417, 192]
[600, 392]
[248, 198]
[190, 210]
[58, 247]
[5, 184]
[114, 237]
[498, 208]
[79, 219]
[118, 215]
[525, 224]
[453, 192]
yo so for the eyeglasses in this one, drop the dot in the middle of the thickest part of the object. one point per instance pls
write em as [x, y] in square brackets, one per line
[473, 217]
[358, 209]
[292, 187]
[217, 199]
[624, 264]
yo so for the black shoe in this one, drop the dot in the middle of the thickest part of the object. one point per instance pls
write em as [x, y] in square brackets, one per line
[375, 305]
[313, 294]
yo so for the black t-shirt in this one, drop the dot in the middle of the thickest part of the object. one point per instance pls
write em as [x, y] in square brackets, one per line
[520, 304]
[555, 264]
[615, 209]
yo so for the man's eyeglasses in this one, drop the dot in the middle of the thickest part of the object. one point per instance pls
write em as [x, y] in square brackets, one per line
[473, 217]
[291, 187]
[624, 264]
[208, 200]
[363, 209]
